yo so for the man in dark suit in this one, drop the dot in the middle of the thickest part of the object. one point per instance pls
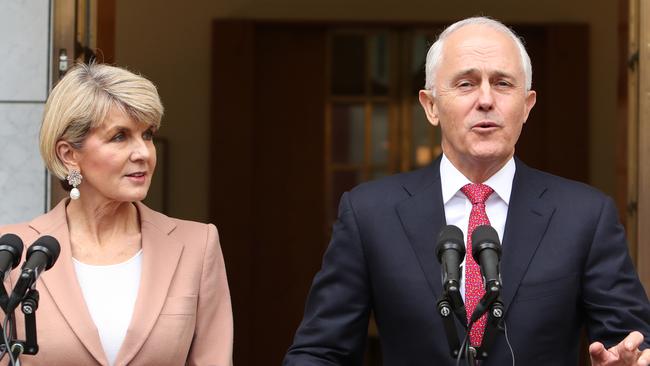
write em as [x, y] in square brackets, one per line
[564, 265]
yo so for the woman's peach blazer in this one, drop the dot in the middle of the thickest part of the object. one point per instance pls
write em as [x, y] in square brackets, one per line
[182, 314]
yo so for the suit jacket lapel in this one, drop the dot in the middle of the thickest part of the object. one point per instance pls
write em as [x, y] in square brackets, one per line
[59, 282]
[422, 216]
[529, 214]
[161, 255]
[528, 217]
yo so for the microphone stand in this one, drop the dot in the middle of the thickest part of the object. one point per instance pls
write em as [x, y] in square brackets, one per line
[495, 316]
[452, 302]
[4, 299]
[29, 304]
[28, 307]
[492, 304]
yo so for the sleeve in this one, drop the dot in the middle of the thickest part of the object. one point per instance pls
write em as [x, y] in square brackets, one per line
[335, 324]
[613, 296]
[213, 336]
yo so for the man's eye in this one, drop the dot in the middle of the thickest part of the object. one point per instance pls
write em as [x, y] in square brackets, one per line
[503, 83]
[465, 85]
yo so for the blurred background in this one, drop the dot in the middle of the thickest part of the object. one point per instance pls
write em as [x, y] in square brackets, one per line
[273, 108]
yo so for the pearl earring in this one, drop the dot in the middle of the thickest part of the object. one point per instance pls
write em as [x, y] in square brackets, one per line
[74, 179]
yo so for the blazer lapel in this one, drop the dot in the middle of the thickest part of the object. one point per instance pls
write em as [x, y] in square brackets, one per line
[161, 254]
[422, 216]
[58, 281]
[528, 217]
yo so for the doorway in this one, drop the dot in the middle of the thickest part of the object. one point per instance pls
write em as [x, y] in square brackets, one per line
[304, 111]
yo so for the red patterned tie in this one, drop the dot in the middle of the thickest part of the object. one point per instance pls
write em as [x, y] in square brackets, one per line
[474, 290]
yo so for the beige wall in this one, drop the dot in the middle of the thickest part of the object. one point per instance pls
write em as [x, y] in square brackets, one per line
[171, 45]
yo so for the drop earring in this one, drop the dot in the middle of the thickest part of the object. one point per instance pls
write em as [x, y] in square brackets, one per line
[74, 179]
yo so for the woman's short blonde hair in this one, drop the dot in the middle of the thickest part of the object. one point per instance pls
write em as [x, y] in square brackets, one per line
[83, 98]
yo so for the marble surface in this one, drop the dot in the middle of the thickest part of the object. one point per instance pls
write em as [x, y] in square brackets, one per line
[24, 50]
[22, 173]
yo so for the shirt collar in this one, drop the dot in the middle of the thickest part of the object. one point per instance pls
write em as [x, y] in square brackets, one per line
[454, 180]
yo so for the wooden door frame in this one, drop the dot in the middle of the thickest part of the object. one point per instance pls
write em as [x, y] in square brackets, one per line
[639, 137]
[64, 24]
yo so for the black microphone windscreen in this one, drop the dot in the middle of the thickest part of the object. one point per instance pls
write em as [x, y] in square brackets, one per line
[450, 234]
[48, 245]
[483, 237]
[13, 244]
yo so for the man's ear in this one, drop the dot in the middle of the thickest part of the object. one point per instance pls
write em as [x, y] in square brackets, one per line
[67, 154]
[428, 102]
[531, 99]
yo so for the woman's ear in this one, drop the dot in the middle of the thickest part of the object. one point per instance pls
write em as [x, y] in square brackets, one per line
[67, 154]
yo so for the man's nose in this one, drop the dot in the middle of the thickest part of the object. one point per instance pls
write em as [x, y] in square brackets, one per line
[485, 98]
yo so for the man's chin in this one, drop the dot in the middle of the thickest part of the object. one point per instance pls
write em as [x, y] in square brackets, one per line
[491, 155]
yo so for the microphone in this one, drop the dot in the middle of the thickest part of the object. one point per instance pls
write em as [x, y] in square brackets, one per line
[451, 252]
[11, 252]
[41, 256]
[486, 250]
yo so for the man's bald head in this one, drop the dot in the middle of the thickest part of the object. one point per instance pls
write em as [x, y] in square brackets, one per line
[435, 54]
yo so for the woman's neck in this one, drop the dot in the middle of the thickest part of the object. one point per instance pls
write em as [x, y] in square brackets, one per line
[103, 220]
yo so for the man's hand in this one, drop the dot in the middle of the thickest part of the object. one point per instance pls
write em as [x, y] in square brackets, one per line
[623, 354]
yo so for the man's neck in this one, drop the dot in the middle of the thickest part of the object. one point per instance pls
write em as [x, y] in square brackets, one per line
[477, 171]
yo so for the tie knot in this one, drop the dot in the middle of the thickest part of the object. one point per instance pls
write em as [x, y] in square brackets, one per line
[477, 193]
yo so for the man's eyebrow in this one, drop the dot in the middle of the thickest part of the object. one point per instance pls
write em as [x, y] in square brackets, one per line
[465, 72]
[471, 71]
[502, 74]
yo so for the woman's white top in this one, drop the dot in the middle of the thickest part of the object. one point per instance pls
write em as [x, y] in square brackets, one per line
[110, 292]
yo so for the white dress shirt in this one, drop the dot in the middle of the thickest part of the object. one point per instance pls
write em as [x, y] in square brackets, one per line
[458, 207]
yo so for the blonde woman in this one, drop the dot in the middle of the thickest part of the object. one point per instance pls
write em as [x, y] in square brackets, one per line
[131, 285]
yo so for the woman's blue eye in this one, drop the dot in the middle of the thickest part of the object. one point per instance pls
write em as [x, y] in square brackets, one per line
[148, 135]
[118, 137]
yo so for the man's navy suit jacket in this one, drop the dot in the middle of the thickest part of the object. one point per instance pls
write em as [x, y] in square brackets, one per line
[565, 264]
